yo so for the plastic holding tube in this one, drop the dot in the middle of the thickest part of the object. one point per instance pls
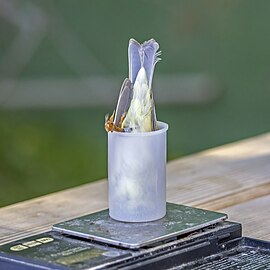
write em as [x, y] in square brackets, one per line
[137, 175]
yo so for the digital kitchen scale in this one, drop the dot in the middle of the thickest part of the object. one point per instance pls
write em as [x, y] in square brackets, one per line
[186, 238]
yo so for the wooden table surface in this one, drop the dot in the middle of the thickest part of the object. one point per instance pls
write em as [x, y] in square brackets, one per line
[234, 179]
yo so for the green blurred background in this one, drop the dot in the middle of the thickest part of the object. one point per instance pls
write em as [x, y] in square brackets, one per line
[46, 147]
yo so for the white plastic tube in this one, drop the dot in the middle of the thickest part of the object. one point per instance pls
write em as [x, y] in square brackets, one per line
[137, 175]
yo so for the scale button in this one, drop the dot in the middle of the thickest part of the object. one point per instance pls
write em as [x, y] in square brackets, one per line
[45, 240]
[18, 248]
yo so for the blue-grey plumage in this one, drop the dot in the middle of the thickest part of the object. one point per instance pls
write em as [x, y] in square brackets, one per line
[123, 103]
[149, 58]
[134, 59]
[142, 55]
[142, 58]
[154, 117]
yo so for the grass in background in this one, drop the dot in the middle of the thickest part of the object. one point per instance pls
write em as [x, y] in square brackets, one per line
[45, 151]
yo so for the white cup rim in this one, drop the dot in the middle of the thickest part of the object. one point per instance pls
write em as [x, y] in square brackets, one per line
[163, 127]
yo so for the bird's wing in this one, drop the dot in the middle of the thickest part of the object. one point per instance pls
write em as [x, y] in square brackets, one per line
[134, 59]
[124, 100]
[149, 57]
[154, 116]
[142, 55]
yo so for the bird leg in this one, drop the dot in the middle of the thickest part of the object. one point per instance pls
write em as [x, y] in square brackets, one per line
[122, 119]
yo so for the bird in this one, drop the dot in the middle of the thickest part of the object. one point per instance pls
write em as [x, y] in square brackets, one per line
[135, 110]
[142, 58]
